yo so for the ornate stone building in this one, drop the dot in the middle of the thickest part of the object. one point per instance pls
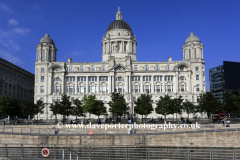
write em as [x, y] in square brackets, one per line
[119, 70]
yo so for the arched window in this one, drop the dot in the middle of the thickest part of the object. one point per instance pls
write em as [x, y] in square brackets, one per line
[43, 54]
[70, 68]
[118, 34]
[119, 79]
[57, 69]
[181, 68]
[146, 68]
[103, 68]
[81, 68]
[189, 53]
[195, 53]
[57, 79]
[182, 78]
[92, 68]
[168, 67]
[135, 67]
[157, 67]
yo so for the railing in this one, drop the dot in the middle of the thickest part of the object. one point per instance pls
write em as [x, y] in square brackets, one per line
[65, 152]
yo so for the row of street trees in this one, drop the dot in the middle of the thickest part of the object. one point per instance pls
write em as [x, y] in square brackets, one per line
[13, 107]
[118, 107]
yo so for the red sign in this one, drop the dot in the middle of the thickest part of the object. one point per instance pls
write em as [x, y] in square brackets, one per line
[45, 152]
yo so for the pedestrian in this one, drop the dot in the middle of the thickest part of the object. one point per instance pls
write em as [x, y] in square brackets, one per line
[187, 120]
[71, 122]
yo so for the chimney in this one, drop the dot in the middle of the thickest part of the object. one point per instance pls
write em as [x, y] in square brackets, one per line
[169, 59]
[69, 60]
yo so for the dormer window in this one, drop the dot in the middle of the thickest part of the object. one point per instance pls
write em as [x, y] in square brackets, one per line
[181, 68]
[103, 68]
[157, 68]
[146, 68]
[168, 67]
[92, 68]
[81, 68]
[71, 68]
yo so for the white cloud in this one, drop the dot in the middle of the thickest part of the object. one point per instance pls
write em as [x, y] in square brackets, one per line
[9, 43]
[13, 22]
[21, 31]
[5, 8]
[9, 57]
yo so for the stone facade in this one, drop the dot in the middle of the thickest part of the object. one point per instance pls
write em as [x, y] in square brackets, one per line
[16, 82]
[119, 70]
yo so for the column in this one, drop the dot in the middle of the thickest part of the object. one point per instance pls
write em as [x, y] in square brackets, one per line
[76, 85]
[113, 86]
[127, 84]
[141, 85]
[130, 84]
[49, 83]
[86, 84]
[189, 83]
[63, 84]
[97, 84]
[109, 84]
[122, 43]
[163, 87]
[152, 88]
[183, 55]
[176, 83]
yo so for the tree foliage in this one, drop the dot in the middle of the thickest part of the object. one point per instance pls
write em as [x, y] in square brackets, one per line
[144, 105]
[189, 107]
[77, 109]
[232, 103]
[66, 107]
[10, 106]
[118, 105]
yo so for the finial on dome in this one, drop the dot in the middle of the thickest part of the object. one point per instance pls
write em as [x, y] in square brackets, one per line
[46, 35]
[191, 34]
[118, 14]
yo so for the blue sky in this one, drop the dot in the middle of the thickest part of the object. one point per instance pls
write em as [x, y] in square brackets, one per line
[161, 28]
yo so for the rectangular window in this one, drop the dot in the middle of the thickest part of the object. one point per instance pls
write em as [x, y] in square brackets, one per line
[136, 88]
[58, 99]
[42, 99]
[70, 89]
[72, 99]
[101, 99]
[196, 68]
[186, 98]
[105, 99]
[147, 88]
[82, 89]
[135, 68]
[57, 89]
[92, 89]
[182, 88]
[197, 77]
[197, 87]
[104, 88]
[169, 88]
[53, 100]
[42, 89]
[158, 88]
[42, 70]
[43, 54]
[156, 99]
[42, 78]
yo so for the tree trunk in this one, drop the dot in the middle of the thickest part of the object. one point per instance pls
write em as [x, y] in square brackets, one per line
[56, 118]
[202, 117]
[188, 115]
[176, 118]
[146, 119]
[37, 118]
[142, 118]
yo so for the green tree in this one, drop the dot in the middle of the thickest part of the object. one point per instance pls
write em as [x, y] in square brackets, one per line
[29, 108]
[10, 106]
[55, 109]
[88, 103]
[189, 107]
[39, 107]
[66, 107]
[118, 105]
[144, 105]
[77, 110]
[99, 108]
[207, 103]
[232, 103]
[177, 105]
[163, 105]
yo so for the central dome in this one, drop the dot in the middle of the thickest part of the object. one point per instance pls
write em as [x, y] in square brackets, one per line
[119, 24]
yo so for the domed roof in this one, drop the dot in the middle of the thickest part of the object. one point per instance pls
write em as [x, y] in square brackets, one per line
[46, 39]
[119, 24]
[192, 38]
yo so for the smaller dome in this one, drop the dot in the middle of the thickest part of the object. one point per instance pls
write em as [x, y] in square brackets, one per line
[192, 38]
[46, 39]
